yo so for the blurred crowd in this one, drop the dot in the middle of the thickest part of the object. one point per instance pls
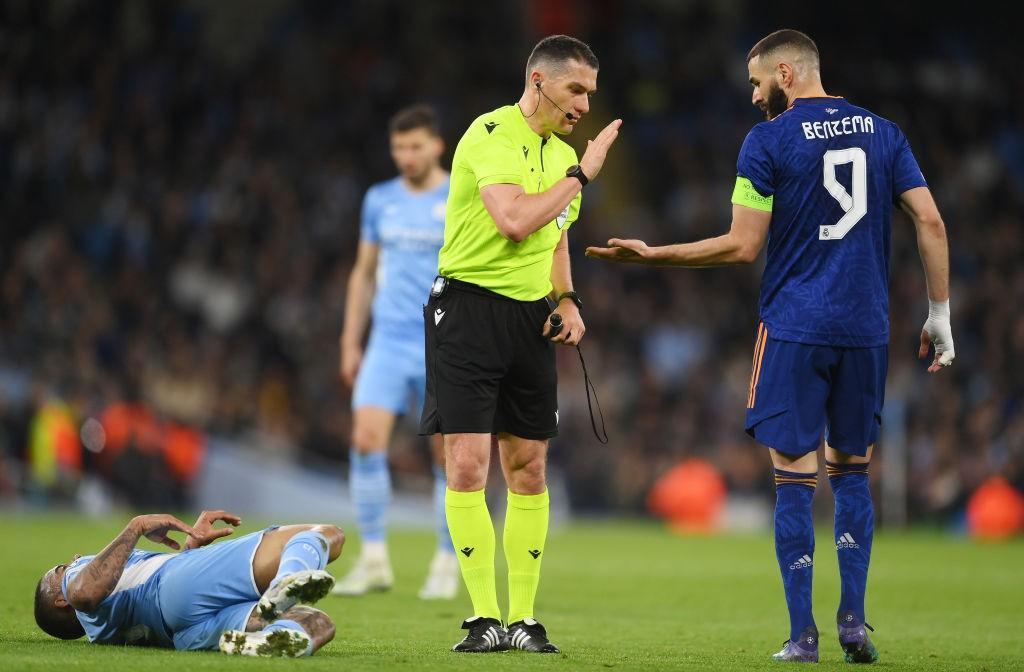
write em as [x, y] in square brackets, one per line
[181, 188]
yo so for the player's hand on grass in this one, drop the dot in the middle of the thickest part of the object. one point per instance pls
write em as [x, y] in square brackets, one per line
[623, 251]
[937, 331]
[572, 324]
[155, 526]
[205, 531]
[351, 360]
[597, 149]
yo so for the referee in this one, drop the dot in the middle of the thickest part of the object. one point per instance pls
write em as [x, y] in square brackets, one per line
[515, 191]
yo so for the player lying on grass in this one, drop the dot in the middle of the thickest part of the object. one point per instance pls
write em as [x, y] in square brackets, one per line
[244, 596]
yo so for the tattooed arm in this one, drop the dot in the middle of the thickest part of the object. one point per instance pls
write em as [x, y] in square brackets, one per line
[100, 575]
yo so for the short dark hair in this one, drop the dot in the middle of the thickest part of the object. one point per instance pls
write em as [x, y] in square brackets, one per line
[787, 37]
[558, 49]
[54, 621]
[411, 118]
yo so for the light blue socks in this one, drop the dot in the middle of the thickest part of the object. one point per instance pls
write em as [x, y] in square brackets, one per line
[370, 482]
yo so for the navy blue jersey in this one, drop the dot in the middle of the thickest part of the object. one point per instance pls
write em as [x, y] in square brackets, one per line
[834, 172]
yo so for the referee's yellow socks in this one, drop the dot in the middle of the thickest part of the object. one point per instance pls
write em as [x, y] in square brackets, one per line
[469, 523]
[526, 528]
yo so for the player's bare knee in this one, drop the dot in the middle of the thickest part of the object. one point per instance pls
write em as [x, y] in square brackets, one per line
[529, 476]
[839, 457]
[335, 539]
[368, 439]
[467, 470]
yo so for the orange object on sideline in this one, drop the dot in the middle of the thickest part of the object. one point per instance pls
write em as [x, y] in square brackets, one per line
[995, 510]
[690, 496]
[184, 450]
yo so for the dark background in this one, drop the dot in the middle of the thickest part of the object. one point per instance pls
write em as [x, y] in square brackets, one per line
[182, 181]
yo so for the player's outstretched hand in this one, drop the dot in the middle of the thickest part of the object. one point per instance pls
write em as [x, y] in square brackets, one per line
[937, 331]
[155, 526]
[597, 149]
[205, 531]
[623, 251]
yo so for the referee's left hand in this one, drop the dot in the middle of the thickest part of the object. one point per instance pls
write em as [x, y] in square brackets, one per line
[572, 325]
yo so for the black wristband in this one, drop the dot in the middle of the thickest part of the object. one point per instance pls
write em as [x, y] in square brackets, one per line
[570, 295]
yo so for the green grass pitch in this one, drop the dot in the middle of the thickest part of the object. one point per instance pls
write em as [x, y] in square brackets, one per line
[614, 596]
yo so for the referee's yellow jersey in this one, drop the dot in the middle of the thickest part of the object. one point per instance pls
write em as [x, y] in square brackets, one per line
[500, 148]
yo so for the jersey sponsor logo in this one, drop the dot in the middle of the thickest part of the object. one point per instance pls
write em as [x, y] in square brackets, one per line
[831, 110]
[438, 316]
[490, 126]
[562, 216]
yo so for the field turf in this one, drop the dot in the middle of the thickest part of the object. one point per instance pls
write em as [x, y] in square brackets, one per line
[614, 596]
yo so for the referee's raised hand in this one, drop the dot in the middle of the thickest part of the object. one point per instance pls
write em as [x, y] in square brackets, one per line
[597, 149]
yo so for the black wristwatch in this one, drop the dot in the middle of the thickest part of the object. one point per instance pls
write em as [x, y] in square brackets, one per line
[570, 295]
[577, 172]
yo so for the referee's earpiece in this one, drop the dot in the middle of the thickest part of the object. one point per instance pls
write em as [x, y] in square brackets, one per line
[568, 115]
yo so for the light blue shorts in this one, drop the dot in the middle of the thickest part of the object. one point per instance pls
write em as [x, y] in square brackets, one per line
[208, 590]
[392, 376]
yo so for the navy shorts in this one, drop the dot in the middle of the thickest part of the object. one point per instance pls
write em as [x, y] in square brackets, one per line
[800, 391]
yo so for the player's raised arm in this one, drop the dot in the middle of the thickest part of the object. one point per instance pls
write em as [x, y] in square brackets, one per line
[518, 214]
[100, 575]
[931, 243]
[741, 245]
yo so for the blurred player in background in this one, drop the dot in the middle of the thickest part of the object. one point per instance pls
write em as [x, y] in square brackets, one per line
[243, 596]
[401, 232]
[818, 180]
[491, 367]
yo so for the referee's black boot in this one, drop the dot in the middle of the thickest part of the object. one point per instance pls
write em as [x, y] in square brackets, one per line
[485, 635]
[530, 635]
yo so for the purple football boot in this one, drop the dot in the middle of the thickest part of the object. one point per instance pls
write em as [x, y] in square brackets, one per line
[804, 650]
[853, 637]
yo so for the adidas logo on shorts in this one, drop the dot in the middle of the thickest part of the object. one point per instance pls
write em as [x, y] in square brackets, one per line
[846, 541]
[804, 562]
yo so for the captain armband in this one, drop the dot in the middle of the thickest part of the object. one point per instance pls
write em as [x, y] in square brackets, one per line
[744, 193]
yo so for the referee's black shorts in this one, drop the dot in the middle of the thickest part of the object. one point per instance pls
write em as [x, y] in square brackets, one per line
[489, 370]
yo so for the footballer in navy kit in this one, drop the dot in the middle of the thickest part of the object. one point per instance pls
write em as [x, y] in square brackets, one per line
[818, 181]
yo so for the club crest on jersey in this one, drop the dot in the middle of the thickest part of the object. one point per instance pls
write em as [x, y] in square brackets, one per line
[564, 215]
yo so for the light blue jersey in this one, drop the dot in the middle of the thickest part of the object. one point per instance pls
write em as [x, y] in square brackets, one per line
[181, 600]
[131, 613]
[409, 229]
